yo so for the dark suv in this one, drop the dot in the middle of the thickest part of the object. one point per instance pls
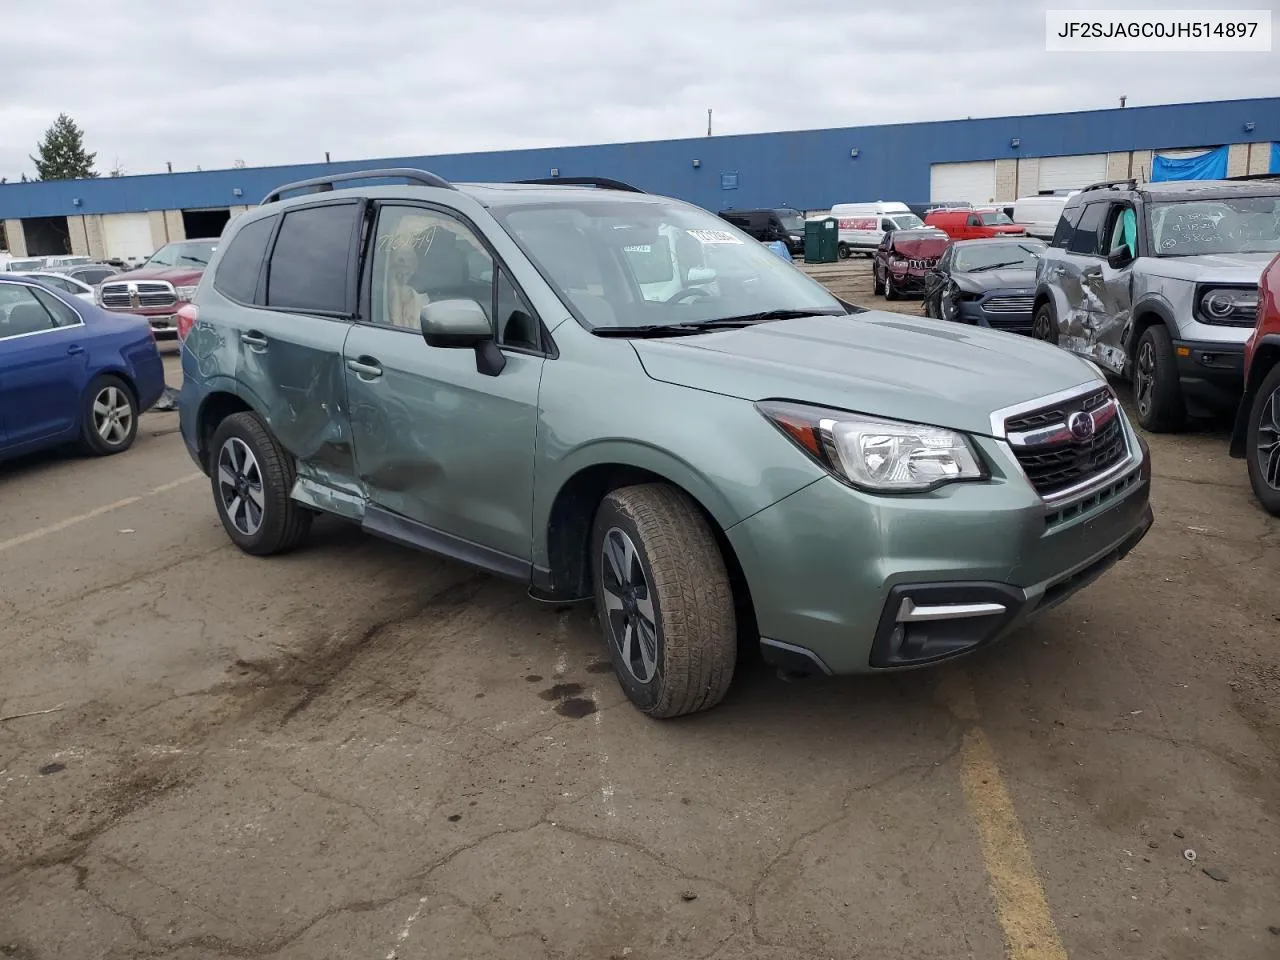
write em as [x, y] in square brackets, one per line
[775, 223]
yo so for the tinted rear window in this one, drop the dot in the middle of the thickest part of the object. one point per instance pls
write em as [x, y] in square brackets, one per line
[237, 274]
[1085, 237]
[1066, 225]
[310, 263]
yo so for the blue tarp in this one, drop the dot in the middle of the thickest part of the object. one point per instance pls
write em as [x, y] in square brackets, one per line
[780, 248]
[1207, 166]
[1275, 158]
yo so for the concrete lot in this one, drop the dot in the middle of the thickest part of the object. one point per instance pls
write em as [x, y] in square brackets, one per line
[359, 751]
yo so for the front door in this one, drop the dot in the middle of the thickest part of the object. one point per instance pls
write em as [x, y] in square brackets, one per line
[43, 365]
[436, 441]
[1114, 301]
[290, 351]
[1081, 282]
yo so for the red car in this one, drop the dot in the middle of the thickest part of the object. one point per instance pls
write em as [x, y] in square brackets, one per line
[974, 224]
[1256, 437]
[161, 286]
[904, 258]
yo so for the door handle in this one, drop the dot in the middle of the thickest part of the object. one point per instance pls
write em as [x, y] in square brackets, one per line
[366, 368]
[253, 338]
[74, 350]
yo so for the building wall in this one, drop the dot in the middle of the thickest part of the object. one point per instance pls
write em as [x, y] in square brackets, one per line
[1259, 158]
[159, 230]
[173, 226]
[808, 169]
[16, 237]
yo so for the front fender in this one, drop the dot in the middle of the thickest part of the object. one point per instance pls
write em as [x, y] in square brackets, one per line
[1148, 303]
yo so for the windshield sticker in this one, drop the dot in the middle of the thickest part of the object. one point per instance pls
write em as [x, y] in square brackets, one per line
[713, 236]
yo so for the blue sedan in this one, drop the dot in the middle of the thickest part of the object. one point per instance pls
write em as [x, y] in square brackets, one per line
[71, 372]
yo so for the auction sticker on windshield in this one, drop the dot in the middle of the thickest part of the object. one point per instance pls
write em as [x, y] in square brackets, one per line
[713, 236]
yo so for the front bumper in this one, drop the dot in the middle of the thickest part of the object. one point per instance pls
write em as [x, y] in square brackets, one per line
[164, 323]
[1211, 374]
[906, 282]
[829, 567]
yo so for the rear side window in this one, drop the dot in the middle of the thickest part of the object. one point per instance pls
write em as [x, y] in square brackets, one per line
[241, 263]
[310, 265]
[63, 316]
[1066, 226]
[1084, 239]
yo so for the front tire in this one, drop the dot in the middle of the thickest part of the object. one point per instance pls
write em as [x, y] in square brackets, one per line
[1263, 451]
[877, 287]
[252, 476]
[664, 600]
[1156, 389]
[109, 420]
[842, 251]
[890, 289]
[1043, 326]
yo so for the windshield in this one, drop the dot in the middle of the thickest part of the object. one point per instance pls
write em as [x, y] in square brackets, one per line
[987, 256]
[791, 221]
[906, 221]
[1234, 225]
[186, 254]
[994, 218]
[655, 263]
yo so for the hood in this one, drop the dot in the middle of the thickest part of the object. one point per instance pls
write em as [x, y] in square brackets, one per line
[1212, 267]
[883, 364]
[178, 276]
[1008, 278]
[921, 248]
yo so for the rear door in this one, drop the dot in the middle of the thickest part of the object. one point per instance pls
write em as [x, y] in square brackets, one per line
[43, 365]
[1083, 281]
[290, 339]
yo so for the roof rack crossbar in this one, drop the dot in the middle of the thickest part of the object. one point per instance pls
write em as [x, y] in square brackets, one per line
[604, 183]
[1130, 182]
[419, 177]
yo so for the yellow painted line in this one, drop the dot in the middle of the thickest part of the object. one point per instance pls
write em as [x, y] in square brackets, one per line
[96, 512]
[1023, 911]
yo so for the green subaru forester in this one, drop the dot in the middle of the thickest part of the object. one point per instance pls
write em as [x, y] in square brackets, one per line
[612, 395]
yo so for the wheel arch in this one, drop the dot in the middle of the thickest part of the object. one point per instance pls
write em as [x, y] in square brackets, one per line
[567, 526]
[218, 403]
[1146, 313]
[1266, 355]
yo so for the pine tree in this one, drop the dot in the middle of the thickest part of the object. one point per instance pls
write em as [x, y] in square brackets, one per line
[62, 153]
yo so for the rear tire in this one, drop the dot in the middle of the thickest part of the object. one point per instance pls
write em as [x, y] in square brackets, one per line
[1263, 451]
[252, 476]
[876, 286]
[1157, 392]
[664, 600]
[109, 417]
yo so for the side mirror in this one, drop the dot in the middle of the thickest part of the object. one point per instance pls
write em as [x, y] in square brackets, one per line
[462, 324]
[1119, 258]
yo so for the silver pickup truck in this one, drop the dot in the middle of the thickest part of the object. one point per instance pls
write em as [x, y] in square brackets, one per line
[1158, 283]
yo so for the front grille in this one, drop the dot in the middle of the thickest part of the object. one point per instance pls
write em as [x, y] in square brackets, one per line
[1007, 304]
[148, 293]
[1054, 459]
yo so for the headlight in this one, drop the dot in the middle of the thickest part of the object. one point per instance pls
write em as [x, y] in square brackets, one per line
[186, 293]
[882, 456]
[1234, 306]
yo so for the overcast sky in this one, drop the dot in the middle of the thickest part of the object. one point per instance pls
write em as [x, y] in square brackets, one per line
[282, 81]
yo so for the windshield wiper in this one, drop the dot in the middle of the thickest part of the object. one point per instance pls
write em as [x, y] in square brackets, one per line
[997, 266]
[706, 326]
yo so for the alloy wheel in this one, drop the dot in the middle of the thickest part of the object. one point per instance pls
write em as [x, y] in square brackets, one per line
[240, 486]
[1268, 445]
[112, 415]
[628, 604]
[1144, 376]
[1040, 330]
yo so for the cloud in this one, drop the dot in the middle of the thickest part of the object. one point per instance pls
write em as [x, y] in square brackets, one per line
[282, 82]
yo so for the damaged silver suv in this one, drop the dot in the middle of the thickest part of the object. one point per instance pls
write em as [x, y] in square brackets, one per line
[1158, 283]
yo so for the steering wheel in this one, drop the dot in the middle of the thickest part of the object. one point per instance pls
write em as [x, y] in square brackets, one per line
[688, 293]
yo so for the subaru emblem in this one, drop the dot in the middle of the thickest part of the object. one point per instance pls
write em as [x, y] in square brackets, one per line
[1081, 425]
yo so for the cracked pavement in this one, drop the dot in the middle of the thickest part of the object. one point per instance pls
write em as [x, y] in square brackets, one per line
[359, 751]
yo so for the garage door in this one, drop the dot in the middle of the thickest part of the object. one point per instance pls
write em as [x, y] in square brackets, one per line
[975, 182]
[1071, 173]
[127, 235]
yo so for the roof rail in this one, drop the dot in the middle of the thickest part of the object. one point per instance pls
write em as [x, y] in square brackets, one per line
[1256, 176]
[1129, 182]
[602, 182]
[419, 177]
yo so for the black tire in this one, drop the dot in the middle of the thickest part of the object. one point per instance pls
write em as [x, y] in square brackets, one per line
[842, 251]
[928, 308]
[282, 523]
[876, 286]
[1157, 392]
[683, 575]
[1044, 326]
[890, 288]
[1264, 432]
[108, 416]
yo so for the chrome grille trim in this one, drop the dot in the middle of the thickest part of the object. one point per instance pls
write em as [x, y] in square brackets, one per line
[136, 294]
[1008, 304]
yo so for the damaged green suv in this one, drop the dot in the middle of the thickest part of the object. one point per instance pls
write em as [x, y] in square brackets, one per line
[615, 396]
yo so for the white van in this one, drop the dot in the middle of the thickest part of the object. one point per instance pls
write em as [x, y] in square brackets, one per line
[863, 225]
[1040, 214]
